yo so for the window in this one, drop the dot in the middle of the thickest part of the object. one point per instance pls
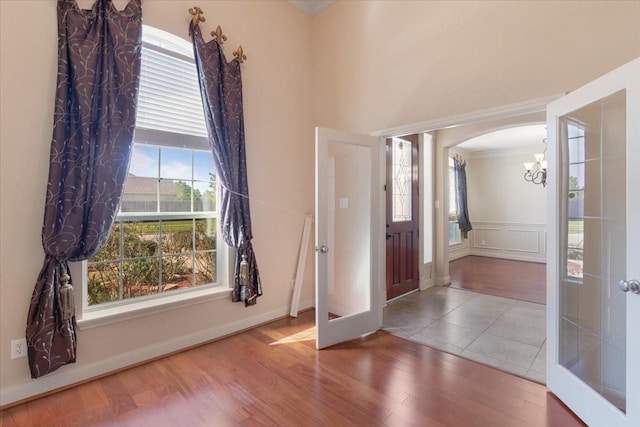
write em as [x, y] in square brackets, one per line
[164, 239]
[454, 230]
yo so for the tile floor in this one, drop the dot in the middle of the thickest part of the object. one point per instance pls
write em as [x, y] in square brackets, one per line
[505, 333]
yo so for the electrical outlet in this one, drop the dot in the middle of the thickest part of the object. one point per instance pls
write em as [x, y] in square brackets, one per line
[18, 348]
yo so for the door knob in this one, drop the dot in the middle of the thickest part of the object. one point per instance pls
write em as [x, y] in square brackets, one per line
[322, 249]
[630, 285]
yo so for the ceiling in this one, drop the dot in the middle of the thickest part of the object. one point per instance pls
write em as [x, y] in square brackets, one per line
[507, 139]
[312, 7]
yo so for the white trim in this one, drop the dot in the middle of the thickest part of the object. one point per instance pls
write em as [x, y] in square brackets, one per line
[516, 109]
[72, 374]
[122, 312]
[508, 256]
[505, 152]
[509, 223]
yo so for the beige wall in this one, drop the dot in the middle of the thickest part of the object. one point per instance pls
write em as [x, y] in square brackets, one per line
[382, 64]
[498, 192]
[279, 135]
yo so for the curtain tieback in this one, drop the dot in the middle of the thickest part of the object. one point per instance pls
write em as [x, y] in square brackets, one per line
[67, 303]
[243, 277]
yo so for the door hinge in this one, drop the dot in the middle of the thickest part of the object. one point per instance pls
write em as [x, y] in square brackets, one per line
[385, 187]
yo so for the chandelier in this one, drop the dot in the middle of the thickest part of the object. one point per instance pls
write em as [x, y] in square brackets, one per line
[537, 171]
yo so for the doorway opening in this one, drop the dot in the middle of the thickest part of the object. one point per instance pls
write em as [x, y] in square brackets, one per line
[506, 331]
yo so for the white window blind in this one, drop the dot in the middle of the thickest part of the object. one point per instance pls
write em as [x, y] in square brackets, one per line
[169, 103]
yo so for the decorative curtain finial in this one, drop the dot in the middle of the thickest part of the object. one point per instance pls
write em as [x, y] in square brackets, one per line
[239, 54]
[197, 13]
[220, 38]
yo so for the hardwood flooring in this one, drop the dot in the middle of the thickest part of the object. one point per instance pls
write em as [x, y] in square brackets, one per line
[273, 376]
[519, 280]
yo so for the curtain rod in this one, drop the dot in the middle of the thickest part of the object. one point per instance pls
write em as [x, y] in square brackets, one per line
[198, 16]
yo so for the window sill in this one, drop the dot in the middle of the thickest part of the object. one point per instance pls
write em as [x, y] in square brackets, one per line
[107, 316]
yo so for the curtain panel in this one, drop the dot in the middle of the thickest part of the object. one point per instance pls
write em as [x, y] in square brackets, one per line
[221, 91]
[464, 224]
[94, 118]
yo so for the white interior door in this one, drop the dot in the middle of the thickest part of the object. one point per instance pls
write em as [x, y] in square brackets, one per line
[348, 235]
[593, 326]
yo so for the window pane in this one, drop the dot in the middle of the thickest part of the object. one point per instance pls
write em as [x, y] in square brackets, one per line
[204, 182]
[144, 161]
[177, 236]
[176, 163]
[202, 165]
[141, 186]
[454, 233]
[111, 249]
[177, 272]
[140, 239]
[140, 277]
[205, 235]
[103, 282]
[453, 204]
[205, 267]
[575, 247]
[175, 196]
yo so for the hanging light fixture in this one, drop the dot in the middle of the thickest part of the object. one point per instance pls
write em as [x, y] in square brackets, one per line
[537, 171]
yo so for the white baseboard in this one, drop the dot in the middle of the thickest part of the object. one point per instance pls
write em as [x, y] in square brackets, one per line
[510, 256]
[73, 374]
[425, 284]
[442, 281]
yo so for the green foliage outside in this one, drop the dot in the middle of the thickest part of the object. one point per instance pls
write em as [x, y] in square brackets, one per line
[147, 263]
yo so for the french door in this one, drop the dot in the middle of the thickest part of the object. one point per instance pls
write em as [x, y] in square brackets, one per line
[593, 296]
[348, 236]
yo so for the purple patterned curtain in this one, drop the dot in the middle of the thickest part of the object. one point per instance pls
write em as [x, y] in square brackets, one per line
[464, 224]
[221, 91]
[94, 118]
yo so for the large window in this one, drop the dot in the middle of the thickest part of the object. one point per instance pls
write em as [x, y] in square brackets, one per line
[164, 237]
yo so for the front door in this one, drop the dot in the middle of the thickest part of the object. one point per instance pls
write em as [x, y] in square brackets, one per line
[593, 294]
[348, 235]
[402, 215]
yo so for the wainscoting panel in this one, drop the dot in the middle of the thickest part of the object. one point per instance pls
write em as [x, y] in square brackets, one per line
[487, 237]
[523, 242]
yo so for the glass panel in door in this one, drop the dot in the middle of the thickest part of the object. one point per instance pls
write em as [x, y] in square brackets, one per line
[592, 311]
[402, 178]
[349, 229]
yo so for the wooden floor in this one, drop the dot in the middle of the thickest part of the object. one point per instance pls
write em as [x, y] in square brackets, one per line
[519, 280]
[273, 376]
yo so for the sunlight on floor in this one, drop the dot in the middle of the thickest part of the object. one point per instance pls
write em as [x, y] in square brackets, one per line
[306, 335]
